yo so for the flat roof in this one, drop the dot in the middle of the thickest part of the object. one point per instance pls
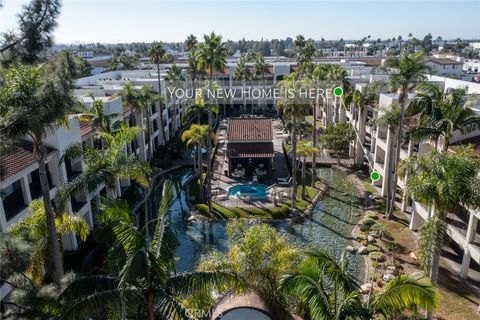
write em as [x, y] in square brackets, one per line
[250, 129]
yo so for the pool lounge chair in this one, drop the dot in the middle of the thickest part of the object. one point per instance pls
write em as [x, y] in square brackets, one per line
[284, 181]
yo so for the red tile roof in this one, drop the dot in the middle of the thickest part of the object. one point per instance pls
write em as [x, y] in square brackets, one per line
[250, 129]
[86, 128]
[18, 158]
[444, 61]
[250, 150]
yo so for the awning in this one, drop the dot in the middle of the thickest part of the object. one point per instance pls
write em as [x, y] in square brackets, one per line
[250, 150]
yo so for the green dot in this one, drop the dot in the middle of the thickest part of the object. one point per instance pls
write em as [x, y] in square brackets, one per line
[338, 91]
[375, 176]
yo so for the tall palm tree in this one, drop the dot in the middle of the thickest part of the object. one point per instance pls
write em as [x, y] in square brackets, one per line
[441, 114]
[33, 227]
[35, 101]
[174, 77]
[106, 166]
[197, 136]
[329, 292]
[142, 283]
[406, 72]
[190, 43]
[389, 117]
[145, 99]
[211, 55]
[306, 150]
[446, 182]
[244, 73]
[294, 108]
[158, 55]
[260, 69]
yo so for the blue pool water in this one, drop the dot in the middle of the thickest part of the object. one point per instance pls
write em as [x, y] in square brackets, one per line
[250, 190]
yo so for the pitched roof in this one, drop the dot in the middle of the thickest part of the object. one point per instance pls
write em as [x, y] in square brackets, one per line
[250, 150]
[18, 158]
[86, 128]
[444, 61]
[250, 129]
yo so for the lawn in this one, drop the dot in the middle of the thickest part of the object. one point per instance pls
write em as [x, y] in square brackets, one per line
[280, 212]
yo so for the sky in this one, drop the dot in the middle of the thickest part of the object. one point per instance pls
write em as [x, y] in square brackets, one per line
[119, 21]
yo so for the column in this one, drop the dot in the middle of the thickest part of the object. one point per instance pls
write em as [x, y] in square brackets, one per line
[387, 164]
[415, 219]
[27, 196]
[405, 198]
[471, 229]
[360, 137]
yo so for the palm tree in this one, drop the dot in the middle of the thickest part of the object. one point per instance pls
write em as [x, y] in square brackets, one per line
[447, 182]
[35, 101]
[389, 117]
[442, 113]
[174, 76]
[260, 68]
[157, 55]
[244, 73]
[142, 283]
[145, 99]
[96, 114]
[211, 55]
[328, 291]
[407, 71]
[306, 150]
[295, 110]
[190, 43]
[106, 166]
[197, 136]
[33, 227]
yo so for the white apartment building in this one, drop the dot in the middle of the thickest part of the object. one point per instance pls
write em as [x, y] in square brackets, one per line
[372, 145]
[472, 66]
[445, 67]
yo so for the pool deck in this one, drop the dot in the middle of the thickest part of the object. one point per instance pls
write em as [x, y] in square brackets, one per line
[221, 183]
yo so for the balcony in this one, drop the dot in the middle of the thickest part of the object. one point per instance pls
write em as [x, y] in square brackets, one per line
[77, 205]
[36, 187]
[14, 204]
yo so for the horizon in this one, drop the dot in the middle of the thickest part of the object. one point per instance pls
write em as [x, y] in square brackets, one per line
[115, 22]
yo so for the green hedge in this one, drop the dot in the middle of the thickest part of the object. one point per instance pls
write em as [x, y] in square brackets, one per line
[221, 212]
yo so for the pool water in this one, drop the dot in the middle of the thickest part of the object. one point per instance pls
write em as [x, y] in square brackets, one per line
[329, 226]
[250, 190]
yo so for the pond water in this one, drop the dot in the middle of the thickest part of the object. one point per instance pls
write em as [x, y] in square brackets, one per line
[329, 227]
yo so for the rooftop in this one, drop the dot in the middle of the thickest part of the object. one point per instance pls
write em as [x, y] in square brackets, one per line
[444, 61]
[250, 129]
[18, 158]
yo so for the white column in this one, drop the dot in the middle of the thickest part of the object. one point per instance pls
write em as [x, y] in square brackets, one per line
[3, 219]
[415, 219]
[405, 198]
[27, 196]
[471, 229]
[387, 164]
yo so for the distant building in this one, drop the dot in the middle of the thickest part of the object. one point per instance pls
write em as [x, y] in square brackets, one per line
[472, 66]
[85, 54]
[475, 45]
[445, 67]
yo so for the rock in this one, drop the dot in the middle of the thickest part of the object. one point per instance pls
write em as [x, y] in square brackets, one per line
[362, 250]
[365, 288]
[370, 239]
[351, 249]
[392, 270]
[388, 277]
[192, 218]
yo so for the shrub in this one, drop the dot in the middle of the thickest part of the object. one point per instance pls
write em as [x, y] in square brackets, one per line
[376, 256]
[368, 222]
[371, 214]
[364, 227]
[373, 248]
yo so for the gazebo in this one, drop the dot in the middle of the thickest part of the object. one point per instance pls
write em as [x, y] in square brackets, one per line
[250, 144]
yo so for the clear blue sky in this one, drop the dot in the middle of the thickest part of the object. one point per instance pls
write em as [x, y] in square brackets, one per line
[115, 21]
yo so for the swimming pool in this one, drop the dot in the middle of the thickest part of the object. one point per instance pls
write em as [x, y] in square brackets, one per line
[250, 190]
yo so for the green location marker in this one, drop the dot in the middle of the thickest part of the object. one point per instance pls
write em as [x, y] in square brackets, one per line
[338, 91]
[375, 175]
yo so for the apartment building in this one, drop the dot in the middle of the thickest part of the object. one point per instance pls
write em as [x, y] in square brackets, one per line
[373, 145]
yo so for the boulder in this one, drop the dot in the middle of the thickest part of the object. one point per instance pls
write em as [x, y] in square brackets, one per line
[388, 277]
[370, 239]
[192, 218]
[392, 270]
[365, 288]
[351, 249]
[362, 250]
